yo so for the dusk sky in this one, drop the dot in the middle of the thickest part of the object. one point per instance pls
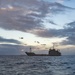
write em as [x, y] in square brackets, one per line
[37, 23]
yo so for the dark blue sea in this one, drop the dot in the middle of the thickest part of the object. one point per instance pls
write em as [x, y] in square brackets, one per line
[37, 65]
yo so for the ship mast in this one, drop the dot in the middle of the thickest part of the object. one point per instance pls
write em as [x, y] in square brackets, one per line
[54, 45]
[30, 49]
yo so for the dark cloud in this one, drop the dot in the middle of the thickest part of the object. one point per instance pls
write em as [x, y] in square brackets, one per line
[68, 0]
[69, 32]
[52, 22]
[8, 49]
[71, 24]
[56, 8]
[68, 51]
[69, 41]
[27, 15]
[4, 40]
[49, 33]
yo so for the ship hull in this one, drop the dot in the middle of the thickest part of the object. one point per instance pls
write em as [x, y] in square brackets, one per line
[33, 54]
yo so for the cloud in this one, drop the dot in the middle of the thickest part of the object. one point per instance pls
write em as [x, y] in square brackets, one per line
[69, 41]
[4, 40]
[52, 22]
[57, 8]
[24, 15]
[70, 33]
[71, 24]
[47, 33]
[68, 51]
[29, 16]
[8, 49]
[60, 1]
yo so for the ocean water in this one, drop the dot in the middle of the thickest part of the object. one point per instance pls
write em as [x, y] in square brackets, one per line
[37, 65]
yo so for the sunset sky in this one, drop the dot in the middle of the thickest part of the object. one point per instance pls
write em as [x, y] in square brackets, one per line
[37, 23]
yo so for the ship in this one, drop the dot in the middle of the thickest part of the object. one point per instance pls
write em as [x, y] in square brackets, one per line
[51, 52]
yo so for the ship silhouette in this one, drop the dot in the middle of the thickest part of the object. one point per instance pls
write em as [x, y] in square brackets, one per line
[51, 52]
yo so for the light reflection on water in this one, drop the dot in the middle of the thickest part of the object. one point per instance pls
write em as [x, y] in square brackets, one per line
[37, 65]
